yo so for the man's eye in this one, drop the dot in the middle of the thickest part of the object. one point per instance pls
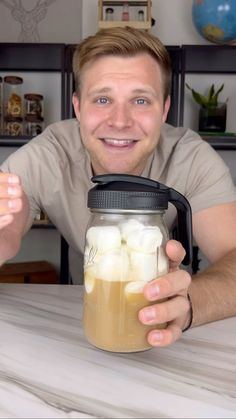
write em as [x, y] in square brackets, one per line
[102, 100]
[141, 101]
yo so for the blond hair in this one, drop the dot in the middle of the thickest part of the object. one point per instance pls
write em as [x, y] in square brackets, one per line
[123, 42]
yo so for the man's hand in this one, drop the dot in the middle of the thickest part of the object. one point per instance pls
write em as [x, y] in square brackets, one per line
[176, 309]
[10, 198]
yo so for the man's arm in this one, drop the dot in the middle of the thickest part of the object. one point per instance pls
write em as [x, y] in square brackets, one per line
[14, 215]
[213, 291]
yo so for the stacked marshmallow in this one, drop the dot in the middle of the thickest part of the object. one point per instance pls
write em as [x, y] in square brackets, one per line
[130, 251]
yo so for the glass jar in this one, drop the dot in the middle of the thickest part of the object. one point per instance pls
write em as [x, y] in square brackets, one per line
[34, 105]
[125, 12]
[109, 14]
[12, 93]
[123, 252]
[13, 126]
[34, 125]
[125, 249]
[141, 16]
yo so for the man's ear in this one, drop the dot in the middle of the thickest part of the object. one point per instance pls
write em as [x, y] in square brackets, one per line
[166, 109]
[76, 105]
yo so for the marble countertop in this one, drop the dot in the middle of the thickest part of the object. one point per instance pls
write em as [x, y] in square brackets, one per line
[49, 370]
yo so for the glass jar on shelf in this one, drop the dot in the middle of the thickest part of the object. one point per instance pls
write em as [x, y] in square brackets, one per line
[125, 12]
[34, 125]
[109, 14]
[33, 104]
[141, 16]
[13, 126]
[12, 96]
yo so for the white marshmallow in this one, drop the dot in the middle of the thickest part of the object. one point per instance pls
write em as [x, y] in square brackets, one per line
[103, 238]
[146, 240]
[89, 282]
[129, 226]
[143, 266]
[113, 266]
[134, 287]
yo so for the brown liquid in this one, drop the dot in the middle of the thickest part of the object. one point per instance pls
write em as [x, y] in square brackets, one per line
[111, 316]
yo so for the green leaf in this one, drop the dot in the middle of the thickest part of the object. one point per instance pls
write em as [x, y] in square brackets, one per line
[211, 92]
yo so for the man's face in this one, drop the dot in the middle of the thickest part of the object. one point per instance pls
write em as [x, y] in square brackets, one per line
[121, 111]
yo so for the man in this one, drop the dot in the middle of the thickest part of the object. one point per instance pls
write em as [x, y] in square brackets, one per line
[121, 102]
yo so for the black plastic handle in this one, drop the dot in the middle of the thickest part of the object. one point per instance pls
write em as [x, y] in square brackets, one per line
[184, 223]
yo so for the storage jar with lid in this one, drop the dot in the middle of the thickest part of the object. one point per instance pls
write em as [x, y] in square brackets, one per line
[13, 126]
[34, 125]
[12, 96]
[125, 249]
[34, 104]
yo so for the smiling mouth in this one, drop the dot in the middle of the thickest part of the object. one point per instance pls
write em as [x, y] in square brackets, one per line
[115, 142]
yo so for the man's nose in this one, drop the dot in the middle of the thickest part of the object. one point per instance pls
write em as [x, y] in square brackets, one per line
[120, 116]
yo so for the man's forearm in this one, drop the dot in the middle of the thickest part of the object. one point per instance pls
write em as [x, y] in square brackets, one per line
[213, 291]
[9, 245]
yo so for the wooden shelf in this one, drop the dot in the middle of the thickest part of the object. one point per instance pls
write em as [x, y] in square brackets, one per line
[10, 141]
[220, 142]
[103, 24]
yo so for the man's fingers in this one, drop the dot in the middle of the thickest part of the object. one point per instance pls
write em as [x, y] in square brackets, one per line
[10, 196]
[165, 337]
[175, 253]
[164, 312]
[168, 285]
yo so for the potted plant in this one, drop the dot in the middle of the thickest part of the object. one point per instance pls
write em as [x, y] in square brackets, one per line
[212, 113]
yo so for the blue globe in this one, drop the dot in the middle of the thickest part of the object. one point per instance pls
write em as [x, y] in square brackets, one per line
[215, 20]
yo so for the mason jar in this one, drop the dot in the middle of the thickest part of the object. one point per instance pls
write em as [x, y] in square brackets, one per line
[12, 93]
[124, 250]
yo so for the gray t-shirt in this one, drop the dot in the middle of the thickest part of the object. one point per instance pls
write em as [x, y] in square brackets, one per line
[56, 175]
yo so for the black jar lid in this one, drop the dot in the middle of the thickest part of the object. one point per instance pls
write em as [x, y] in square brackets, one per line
[33, 118]
[36, 97]
[127, 192]
[13, 80]
[10, 118]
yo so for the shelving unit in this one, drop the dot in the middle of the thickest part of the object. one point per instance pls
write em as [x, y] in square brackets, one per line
[57, 58]
[208, 59]
[145, 6]
[31, 59]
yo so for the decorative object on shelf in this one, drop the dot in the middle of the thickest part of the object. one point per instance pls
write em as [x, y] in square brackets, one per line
[28, 19]
[34, 125]
[125, 12]
[33, 104]
[212, 113]
[12, 96]
[135, 13]
[215, 20]
[109, 14]
[141, 16]
[13, 126]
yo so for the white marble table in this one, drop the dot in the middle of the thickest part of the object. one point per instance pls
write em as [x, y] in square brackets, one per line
[48, 370]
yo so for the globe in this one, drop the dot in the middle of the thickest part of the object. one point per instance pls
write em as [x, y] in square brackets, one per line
[215, 20]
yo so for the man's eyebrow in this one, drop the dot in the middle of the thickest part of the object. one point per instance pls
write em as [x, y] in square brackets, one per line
[138, 91]
[100, 90]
